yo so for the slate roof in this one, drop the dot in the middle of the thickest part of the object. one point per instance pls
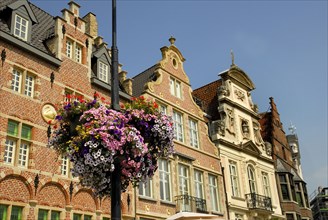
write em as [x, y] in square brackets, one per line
[141, 79]
[41, 31]
[208, 98]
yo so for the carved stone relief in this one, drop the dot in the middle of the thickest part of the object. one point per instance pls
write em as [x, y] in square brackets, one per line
[245, 130]
[239, 94]
[257, 134]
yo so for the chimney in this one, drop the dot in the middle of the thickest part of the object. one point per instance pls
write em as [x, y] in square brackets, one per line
[74, 8]
[91, 26]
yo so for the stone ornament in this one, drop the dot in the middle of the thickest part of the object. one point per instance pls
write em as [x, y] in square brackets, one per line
[49, 113]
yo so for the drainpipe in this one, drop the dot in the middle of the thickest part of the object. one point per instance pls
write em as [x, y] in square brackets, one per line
[225, 191]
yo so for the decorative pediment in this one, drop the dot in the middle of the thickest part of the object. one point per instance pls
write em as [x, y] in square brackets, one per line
[102, 52]
[239, 77]
[24, 3]
[251, 147]
[172, 61]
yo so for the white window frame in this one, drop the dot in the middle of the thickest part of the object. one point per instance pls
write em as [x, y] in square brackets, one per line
[184, 185]
[25, 87]
[19, 26]
[175, 87]
[199, 184]
[193, 130]
[16, 80]
[64, 167]
[266, 184]
[234, 179]
[29, 85]
[251, 178]
[103, 72]
[214, 192]
[178, 126]
[69, 48]
[146, 188]
[164, 168]
[163, 109]
[17, 147]
[78, 53]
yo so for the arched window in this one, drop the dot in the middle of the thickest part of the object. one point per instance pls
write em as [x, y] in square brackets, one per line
[251, 179]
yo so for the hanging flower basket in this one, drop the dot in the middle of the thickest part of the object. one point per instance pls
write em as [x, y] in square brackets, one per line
[96, 138]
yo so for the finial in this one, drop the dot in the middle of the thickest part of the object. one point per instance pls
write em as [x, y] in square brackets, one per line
[172, 40]
[232, 58]
[292, 128]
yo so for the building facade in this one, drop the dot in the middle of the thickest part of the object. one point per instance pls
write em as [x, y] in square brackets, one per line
[45, 61]
[290, 184]
[319, 204]
[246, 158]
[190, 184]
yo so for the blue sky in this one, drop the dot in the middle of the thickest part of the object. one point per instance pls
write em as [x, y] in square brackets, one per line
[281, 45]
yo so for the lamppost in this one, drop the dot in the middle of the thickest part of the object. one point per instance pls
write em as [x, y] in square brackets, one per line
[116, 174]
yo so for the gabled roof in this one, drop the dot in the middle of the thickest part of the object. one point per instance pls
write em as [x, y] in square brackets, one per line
[239, 77]
[209, 98]
[141, 79]
[43, 29]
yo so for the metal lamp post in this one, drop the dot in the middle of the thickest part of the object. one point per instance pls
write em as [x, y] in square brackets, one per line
[116, 175]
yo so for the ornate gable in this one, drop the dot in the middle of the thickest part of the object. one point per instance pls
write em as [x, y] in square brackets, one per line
[172, 61]
[251, 148]
[239, 77]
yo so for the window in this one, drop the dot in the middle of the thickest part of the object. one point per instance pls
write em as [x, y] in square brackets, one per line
[21, 25]
[69, 46]
[183, 180]
[193, 129]
[87, 217]
[199, 185]
[11, 212]
[74, 50]
[163, 109]
[145, 188]
[77, 216]
[234, 179]
[55, 215]
[213, 186]
[18, 135]
[284, 187]
[251, 179]
[164, 179]
[18, 85]
[175, 88]
[78, 53]
[64, 166]
[299, 198]
[71, 96]
[266, 184]
[103, 72]
[290, 216]
[178, 126]
[43, 214]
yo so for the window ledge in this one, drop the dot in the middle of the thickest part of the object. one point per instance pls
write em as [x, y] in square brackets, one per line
[217, 213]
[238, 198]
[168, 203]
[150, 199]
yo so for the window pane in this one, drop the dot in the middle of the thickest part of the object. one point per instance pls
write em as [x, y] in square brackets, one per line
[145, 188]
[55, 215]
[164, 174]
[78, 53]
[178, 126]
[9, 151]
[29, 85]
[16, 81]
[87, 217]
[3, 211]
[12, 128]
[23, 154]
[16, 213]
[178, 89]
[26, 132]
[199, 184]
[43, 214]
[213, 192]
[193, 130]
[64, 166]
[21, 25]
[183, 180]
[77, 216]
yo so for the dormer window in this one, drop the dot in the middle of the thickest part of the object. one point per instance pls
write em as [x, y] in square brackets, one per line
[21, 27]
[103, 72]
[175, 88]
